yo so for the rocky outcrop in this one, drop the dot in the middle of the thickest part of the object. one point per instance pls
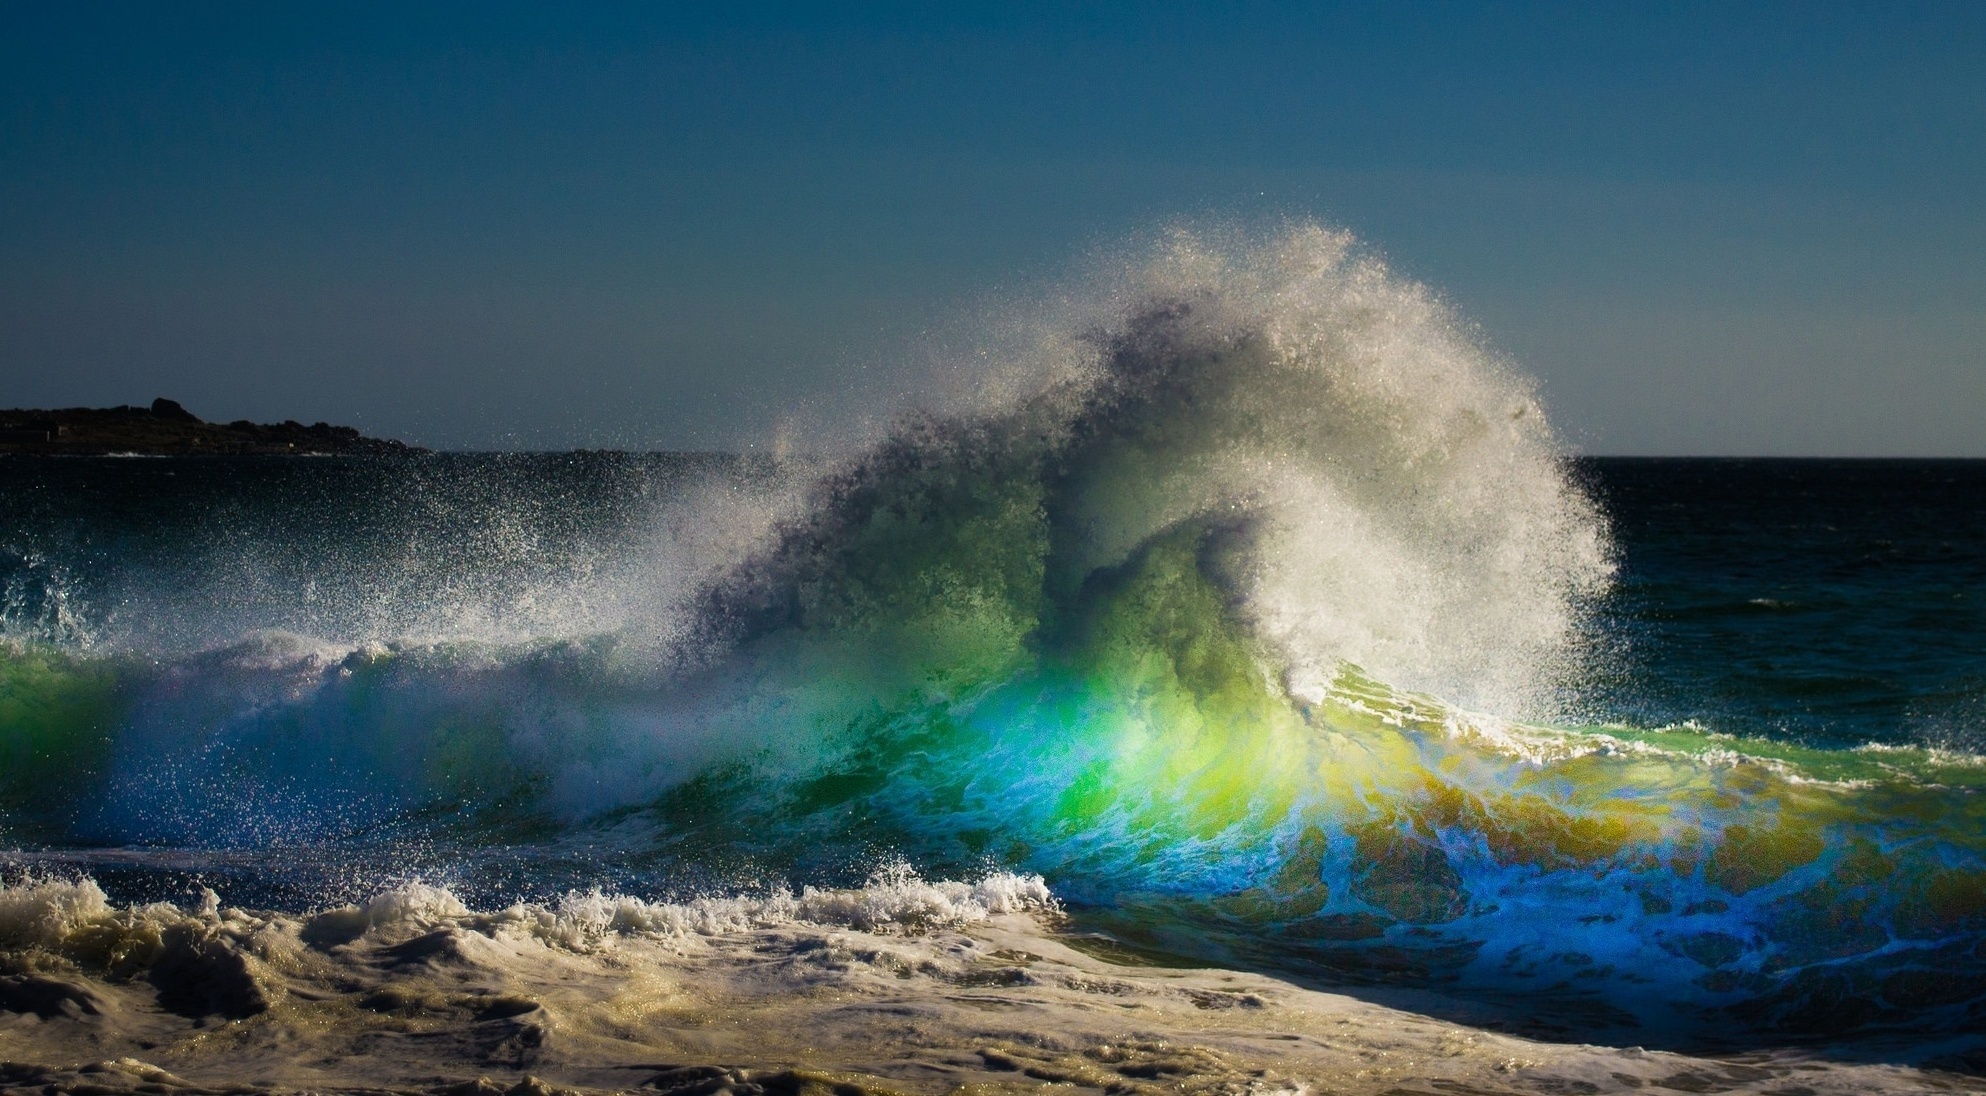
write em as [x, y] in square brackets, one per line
[168, 429]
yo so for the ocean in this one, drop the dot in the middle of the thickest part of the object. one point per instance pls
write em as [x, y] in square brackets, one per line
[1257, 622]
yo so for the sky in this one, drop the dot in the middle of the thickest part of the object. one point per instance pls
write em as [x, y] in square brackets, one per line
[1721, 228]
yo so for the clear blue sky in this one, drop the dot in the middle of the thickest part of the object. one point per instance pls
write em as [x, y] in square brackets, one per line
[1715, 228]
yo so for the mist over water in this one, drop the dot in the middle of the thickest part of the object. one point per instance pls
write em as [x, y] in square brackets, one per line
[1241, 593]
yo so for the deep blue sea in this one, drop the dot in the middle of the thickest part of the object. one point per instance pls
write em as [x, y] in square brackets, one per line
[1831, 602]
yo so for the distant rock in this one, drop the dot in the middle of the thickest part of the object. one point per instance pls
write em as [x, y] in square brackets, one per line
[170, 409]
[168, 429]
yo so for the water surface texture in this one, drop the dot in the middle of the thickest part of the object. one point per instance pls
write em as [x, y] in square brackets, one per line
[1255, 607]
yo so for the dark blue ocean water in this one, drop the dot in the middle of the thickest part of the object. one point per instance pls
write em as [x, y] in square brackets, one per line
[1830, 602]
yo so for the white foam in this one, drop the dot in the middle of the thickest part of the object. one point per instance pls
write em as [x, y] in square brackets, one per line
[895, 899]
[44, 913]
[1409, 504]
[415, 903]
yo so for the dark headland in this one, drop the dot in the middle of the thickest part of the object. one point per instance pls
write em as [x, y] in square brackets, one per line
[167, 429]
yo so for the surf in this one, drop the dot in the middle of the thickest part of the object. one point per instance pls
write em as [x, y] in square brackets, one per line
[1246, 598]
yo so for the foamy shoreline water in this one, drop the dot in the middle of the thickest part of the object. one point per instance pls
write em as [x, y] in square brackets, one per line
[902, 985]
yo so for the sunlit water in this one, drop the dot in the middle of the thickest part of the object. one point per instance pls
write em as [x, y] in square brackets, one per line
[1254, 607]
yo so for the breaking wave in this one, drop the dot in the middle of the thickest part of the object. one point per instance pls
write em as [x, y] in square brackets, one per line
[1191, 605]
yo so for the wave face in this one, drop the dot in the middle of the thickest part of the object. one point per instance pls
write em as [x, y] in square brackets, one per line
[1190, 607]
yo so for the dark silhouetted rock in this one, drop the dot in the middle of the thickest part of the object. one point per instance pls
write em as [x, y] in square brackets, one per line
[168, 429]
[170, 409]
